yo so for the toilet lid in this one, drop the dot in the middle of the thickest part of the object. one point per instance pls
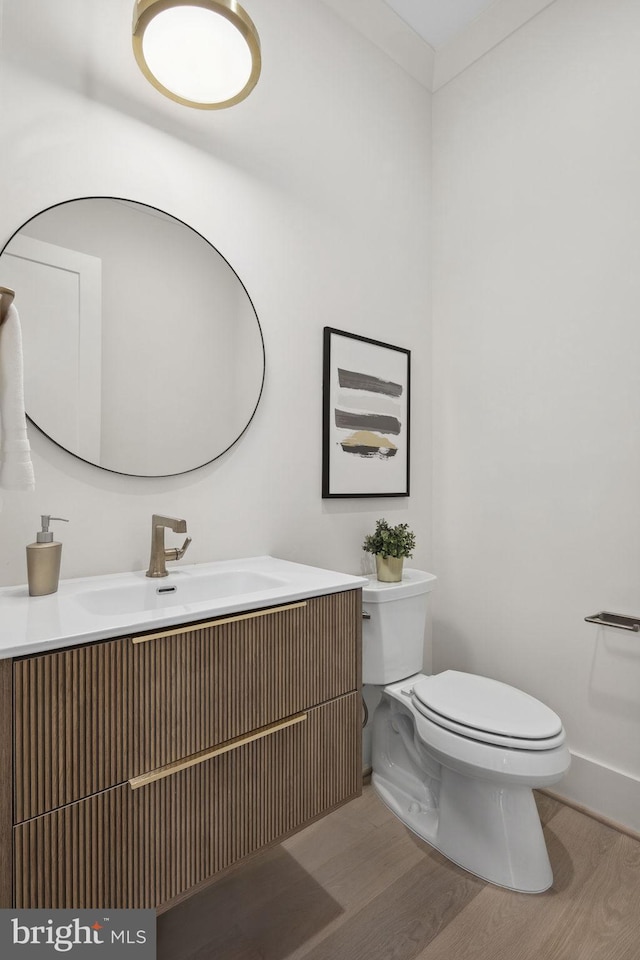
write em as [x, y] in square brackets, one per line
[487, 710]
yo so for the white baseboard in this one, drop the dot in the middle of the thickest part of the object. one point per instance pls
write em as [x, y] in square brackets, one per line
[607, 794]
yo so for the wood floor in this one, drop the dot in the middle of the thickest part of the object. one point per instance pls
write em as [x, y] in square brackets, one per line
[358, 886]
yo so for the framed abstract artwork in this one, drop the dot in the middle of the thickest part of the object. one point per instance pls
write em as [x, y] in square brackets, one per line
[365, 421]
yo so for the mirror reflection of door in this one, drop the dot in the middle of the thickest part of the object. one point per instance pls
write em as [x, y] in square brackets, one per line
[64, 288]
[153, 352]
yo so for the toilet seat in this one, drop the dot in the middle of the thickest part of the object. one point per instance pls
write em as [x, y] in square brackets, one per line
[487, 710]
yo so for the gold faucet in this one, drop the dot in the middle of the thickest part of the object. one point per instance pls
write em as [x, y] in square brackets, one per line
[159, 556]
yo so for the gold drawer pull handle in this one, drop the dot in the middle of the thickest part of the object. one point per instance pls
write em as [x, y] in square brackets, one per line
[161, 772]
[172, 631]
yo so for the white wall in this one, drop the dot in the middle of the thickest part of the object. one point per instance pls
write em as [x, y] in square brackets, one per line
[537, 399]
[315, 189]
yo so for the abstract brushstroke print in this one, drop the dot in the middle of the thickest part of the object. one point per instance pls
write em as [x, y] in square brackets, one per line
[363, 443]
[347, 420]
[363, 381]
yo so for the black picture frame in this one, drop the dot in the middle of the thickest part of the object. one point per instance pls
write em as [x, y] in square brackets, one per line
[366, 417]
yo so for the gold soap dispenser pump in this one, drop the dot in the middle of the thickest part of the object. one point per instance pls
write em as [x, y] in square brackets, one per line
[43, 560]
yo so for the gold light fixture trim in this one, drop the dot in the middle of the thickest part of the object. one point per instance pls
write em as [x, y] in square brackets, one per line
[230, 17]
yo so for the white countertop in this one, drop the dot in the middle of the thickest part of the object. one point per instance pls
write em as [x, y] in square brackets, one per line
[97, 608]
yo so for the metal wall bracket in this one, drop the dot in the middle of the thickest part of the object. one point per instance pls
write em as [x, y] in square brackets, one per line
[615, 620]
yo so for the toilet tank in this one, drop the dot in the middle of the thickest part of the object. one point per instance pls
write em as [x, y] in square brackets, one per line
[393, 626]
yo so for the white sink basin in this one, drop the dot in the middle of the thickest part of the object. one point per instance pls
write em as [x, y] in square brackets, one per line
[96, 608]
[177, 589]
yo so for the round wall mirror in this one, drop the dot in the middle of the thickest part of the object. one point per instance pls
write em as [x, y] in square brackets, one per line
[143, 353]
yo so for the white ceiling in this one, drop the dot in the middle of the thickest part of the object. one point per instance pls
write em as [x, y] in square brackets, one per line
[435, 40]
[438, 21]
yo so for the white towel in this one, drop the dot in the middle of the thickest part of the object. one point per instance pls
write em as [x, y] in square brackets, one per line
[16, 469]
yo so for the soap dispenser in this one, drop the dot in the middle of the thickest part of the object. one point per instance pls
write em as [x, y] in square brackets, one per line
[43, 560]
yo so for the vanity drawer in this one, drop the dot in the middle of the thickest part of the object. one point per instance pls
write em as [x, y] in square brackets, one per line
[89, 718]
[142, 847]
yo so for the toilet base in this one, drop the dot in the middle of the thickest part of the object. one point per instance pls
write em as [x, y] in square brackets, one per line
[484, 820]
[493, 832]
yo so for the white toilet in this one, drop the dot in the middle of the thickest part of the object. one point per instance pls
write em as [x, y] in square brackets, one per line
[455, 756]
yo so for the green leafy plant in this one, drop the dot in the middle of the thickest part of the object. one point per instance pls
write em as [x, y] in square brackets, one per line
[389, 541]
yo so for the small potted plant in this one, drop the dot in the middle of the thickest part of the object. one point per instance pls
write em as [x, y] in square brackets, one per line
[390, 546]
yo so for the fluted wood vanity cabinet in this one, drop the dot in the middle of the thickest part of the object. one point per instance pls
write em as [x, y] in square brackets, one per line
[144, 766]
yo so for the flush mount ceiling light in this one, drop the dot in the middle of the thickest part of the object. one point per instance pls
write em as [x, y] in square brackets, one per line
[201, 53]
